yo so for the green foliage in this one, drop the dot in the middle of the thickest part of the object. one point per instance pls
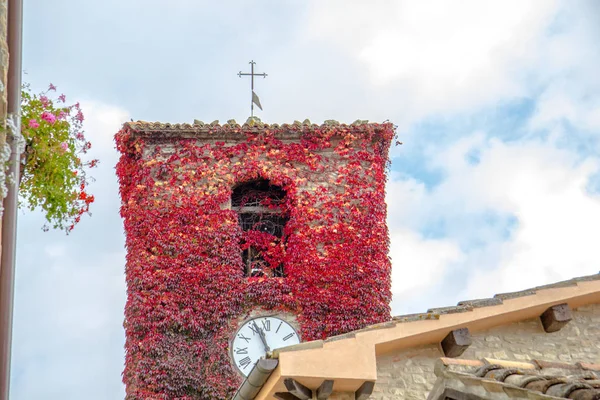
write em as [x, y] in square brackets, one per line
[53, 175]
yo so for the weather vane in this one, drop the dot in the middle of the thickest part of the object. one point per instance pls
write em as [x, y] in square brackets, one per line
[255, 99]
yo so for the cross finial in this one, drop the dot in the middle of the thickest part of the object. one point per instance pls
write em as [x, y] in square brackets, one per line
[254, 99]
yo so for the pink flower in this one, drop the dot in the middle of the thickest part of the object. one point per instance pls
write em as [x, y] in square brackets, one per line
[62, 98]
[45, 101]
[52, 87]
[62, 115]
[48, 117]
[64, 146]
[33, 123]
[79, 136]
[79, 116]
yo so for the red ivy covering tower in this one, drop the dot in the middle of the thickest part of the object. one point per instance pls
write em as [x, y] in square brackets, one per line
[188, 251]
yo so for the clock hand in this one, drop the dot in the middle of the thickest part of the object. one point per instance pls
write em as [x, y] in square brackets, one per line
[261, 333]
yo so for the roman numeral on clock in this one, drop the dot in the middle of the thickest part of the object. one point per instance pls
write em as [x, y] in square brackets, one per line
[253, 329]
[244, 337]
[288, 336]
[244, 362]
[243, 350]
[266, 325]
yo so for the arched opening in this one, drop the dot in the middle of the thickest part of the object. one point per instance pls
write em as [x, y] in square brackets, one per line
[261, 215]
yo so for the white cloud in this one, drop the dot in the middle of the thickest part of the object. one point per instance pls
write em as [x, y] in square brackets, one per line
[101, 122]
[568, 70]
[443, 56]
[419, 263]
[405, 198]
[541, 186]
[434, 57]
[576, 101]
[558, 220]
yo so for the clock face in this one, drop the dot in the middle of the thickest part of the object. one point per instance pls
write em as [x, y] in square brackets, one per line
[257, 336]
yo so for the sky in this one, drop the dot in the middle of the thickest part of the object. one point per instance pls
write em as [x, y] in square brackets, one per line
[495, 188]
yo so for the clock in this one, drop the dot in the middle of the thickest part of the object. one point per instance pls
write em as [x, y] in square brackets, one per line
[258, 336]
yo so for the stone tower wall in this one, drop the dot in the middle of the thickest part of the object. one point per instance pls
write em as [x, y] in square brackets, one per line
[187, 291]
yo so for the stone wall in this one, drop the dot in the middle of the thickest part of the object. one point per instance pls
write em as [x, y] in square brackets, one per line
[312, 180]
[188, 287]
[409, 375]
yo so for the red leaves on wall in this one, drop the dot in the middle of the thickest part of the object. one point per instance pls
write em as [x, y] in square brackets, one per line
[186, 288]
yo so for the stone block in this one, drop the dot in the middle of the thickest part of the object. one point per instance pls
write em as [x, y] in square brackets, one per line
[456, 342]
[556, 317]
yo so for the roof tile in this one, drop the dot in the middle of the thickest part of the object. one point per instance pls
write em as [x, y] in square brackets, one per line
[450, 309]
[469, 305]
[477, 303]
[540, 379]
[252, 122]
[589, 366]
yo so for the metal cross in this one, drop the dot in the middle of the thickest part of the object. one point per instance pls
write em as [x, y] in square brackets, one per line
[252, 75]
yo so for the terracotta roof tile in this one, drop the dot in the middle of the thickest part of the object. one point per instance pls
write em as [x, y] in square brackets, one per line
[517, 379]
[493, 301]
[416, 317]
[250, 124]
[552, 364]
[450, 309]
[589, 366]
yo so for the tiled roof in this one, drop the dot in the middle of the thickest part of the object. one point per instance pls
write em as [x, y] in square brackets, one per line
[252, 123]
[466, 306]
[500, 379]
[430, 327]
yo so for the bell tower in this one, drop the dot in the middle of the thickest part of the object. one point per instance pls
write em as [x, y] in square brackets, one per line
[245, 238]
